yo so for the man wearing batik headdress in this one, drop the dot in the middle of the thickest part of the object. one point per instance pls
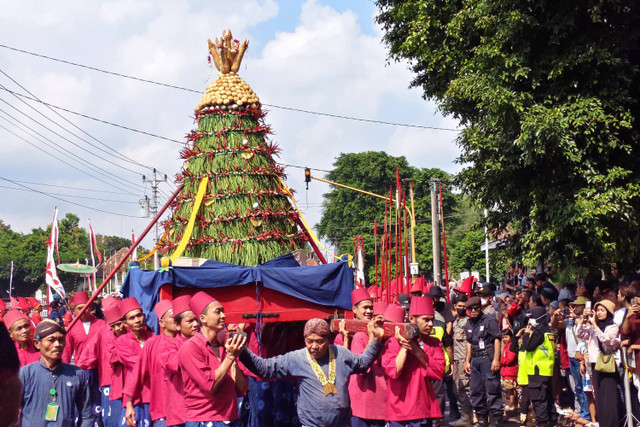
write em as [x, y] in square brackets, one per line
[322, 371]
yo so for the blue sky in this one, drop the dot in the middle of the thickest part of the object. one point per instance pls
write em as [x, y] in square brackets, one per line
[315, 55]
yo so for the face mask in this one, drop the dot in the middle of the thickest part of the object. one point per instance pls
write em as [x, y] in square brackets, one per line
[461, 312]
[533, 322]
[484, 301]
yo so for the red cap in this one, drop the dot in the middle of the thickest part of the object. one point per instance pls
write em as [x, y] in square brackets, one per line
[79, 298]
[129, 304]
[418, 285]
[379, 307]
[394, 314]
[199, 302]
[112, 312]
[33, 302]
[14, 302]
[23, 303]
[107, 302]
[465, 287]
[181, 304]
[3, 306]
[372, 291]
[12, 317]
[421, 306]
[359, 295]
[162, 307]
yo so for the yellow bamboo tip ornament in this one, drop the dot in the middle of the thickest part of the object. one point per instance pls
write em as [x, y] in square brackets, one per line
[228, 91]
[165, 262]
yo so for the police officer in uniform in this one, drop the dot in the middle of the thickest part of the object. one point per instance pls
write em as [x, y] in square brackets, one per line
[539, 343]
[485, 291]
[460, 377]
[483, 364]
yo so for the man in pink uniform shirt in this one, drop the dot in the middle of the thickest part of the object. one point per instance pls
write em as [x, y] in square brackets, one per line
[362, 306]
[410, 366]
[127, 351]
[368, 391]
[19, 328]
[149, 372]
[88, 326]
[96, 354]
[187, 325]
[211, 377]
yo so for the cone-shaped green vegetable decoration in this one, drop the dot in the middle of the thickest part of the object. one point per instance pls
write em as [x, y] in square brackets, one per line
[245, 217]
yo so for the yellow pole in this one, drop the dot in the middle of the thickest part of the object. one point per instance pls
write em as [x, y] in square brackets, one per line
[365, 192]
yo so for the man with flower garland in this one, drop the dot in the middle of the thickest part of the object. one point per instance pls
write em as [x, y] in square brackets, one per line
[322, 371]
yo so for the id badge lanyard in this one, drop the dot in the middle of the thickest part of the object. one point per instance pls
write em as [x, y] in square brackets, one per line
[52, 408]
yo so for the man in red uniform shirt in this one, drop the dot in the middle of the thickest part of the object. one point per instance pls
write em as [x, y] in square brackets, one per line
[3, 310]
[19, 327]
[36, 309]
[187, 325]
[210, 374]
[127, 351]
[149, 371]
[409, 366]
[96, 354]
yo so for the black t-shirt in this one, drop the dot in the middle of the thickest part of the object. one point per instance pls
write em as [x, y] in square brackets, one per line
[445, 309]
[8, 354]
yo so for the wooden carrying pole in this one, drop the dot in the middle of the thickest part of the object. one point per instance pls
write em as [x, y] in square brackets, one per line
[124, 258]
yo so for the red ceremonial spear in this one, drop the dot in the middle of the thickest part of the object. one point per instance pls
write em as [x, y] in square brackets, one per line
[375, 250]
[406, 246]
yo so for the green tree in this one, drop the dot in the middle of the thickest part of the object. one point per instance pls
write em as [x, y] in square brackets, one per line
[109, 245]
[347, 213]
[29, 253]
[547, 93]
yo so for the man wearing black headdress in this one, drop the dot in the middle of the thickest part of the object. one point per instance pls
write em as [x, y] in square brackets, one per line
[54, 393]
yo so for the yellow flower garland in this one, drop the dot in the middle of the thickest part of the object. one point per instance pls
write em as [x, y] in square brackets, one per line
[329, 385]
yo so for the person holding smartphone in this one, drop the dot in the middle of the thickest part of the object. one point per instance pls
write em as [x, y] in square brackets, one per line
[565, 319]
[598, 328]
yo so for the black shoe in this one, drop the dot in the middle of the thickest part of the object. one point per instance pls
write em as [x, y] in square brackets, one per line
[496, 420]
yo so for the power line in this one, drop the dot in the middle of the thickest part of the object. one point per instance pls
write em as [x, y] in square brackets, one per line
[303, 167]
[121, 156]
[59, 159]
[62, 137]
[99, 170]
[73, 195]
[68, 140]
[299, 110]
[94, 118]
[70, 188]
[66, 201]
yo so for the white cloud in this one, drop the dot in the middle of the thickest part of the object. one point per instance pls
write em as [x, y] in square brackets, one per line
[327, 62]
[116, 11]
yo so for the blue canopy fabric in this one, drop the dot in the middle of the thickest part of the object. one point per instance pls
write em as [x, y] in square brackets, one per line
[329, 284]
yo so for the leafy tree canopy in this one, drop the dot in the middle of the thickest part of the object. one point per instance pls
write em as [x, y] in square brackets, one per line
[347, 213]
[548, 94]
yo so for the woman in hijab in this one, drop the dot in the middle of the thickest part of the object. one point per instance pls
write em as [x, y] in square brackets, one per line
[598, 328]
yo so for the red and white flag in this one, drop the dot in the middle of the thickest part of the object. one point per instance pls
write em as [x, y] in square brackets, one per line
[51, 275]
[93, 245]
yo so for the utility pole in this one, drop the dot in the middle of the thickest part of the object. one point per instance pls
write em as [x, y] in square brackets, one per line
[435, 232]
[486, 248]
[153, 208]
[413, 266]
